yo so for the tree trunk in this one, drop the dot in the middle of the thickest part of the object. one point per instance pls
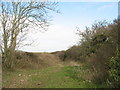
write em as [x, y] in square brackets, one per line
[9, 56]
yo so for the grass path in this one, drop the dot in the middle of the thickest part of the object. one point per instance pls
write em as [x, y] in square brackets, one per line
[51, 77]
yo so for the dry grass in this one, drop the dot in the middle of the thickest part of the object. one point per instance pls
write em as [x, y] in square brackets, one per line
[36, 60]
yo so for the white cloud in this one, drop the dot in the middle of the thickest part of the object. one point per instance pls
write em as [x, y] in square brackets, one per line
[58, 37]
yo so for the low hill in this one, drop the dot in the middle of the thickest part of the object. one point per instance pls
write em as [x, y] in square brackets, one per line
[36, 60]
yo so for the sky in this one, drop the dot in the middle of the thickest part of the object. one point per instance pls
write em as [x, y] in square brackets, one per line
[62, 32]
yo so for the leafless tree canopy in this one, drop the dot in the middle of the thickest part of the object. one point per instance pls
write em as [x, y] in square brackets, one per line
[16, 18]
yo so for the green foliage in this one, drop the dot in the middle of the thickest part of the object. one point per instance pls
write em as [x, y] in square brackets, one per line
[114, 72]
[96, 46]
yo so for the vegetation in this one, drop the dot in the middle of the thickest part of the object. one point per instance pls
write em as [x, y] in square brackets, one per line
[114, 71]
[50, 77]
[93, 63]
[100, 36]
[16, 19]
[97, 49]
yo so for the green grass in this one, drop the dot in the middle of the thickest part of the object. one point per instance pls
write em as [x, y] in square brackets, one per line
[51, 77]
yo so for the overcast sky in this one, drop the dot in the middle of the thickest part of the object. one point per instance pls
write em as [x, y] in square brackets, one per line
[62, 33]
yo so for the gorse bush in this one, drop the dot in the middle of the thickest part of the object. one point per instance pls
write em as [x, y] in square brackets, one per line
[96, 46]
[114, 71]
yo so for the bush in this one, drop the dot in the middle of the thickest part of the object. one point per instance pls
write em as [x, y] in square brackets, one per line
[96, 46]
[114, 71]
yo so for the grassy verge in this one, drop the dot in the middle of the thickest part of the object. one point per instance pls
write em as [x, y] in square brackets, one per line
[51, 77]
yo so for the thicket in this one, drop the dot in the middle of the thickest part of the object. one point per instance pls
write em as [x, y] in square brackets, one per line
[98, 47]
[114, 71]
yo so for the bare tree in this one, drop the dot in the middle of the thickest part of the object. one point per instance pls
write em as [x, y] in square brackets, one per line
[16, 18]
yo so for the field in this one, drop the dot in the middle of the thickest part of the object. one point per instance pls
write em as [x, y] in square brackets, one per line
[63, 75]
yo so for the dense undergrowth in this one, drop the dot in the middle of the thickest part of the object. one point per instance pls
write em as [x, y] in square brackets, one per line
[98, 49]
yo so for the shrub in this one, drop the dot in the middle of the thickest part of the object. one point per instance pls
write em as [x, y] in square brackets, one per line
[114, 71]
